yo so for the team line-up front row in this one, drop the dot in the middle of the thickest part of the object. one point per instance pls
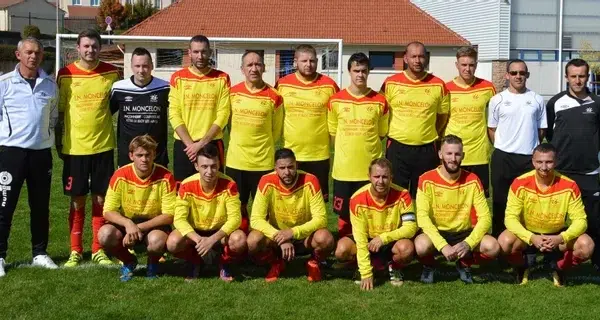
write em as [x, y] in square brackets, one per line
[415, 110]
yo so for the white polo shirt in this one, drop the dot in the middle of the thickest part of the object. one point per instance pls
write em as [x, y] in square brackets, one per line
[517, 118]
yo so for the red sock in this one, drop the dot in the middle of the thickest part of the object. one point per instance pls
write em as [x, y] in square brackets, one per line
[97, 223]
[229, 256]
[245, 225]
[467, 262]
[265, 257]
[190, 255]
[319, 255]
[76, 220]
[480, 258]
[568, 260]
[516, 259]
[396, 265]
[123, 255]
[428, 260]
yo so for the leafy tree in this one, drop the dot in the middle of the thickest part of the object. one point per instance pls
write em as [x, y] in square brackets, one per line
[112, 8]
[31, 31]
[138, 12]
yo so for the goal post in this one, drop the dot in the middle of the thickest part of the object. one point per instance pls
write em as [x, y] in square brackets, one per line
[169, 53]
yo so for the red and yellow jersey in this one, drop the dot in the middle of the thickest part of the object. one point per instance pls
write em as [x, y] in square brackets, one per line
[256, 121]
[217, 210]
[84, 99]
[198, 101]
[136, 198]
[414, 106]
[300, 208]
[468, 118]
[531, 209]
[358, 124]
[391, 220]
[452, 206]
[305, 124]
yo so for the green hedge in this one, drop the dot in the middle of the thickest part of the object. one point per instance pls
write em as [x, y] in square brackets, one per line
[7, 53]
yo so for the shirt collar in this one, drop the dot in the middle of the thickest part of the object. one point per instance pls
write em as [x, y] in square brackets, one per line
[17, 77]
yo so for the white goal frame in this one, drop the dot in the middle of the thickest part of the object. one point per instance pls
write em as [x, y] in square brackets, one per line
[339, 43]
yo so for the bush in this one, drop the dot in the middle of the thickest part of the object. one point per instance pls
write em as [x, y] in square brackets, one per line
[31, 31]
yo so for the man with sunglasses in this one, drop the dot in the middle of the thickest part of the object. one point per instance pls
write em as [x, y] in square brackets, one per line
[516, 125]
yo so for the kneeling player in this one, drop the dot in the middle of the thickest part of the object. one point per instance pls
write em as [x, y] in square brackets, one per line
[293, 202]
[544, 213]
[207, 216]
[383, 224]
[454, 215]
[139, 207]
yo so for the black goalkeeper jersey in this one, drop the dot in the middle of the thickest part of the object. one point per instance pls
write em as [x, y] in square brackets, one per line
[574, 129]
[141, 110]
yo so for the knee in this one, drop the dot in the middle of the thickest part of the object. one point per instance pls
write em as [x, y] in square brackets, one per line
[175, 242]
[237, 241]
[404, 247]
[108, 236]
[584, 247]
[323, 240]
[156, 242]
[423, 246]
[254, 241]
[506, 242]
[343, 251]
[489, 246]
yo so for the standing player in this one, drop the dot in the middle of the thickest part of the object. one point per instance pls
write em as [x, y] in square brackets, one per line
[289, 215]
[453, 213]
[88, 141]
[545, 213]
[516, 125]
[207, 217]
[419, 104]
[469, 99]
[198, 108]
[142, 102]
[27, 117]
[305, 95]
[574, 129]
[139, 208]
[357, 121]
[383, 224]
[256, 121]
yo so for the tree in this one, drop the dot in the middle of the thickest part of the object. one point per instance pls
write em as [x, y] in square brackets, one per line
[112, 8]
[138, 12]
[589, 54]
[31, 31]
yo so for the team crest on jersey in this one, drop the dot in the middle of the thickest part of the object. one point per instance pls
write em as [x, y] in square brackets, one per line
[454, 99]
[475, 97]
[153, 98]
[438, 193]
[346, 109]
[211, 84]
[370, 108]
[128, 98]
[187, 87]
[589, 110]
[402, 91]
[290, 94]
[264, 103]
[427, 91]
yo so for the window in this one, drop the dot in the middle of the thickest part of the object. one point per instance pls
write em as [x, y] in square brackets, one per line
[382, 60]
[548, 55]
[530, 55]
[76, 2]
[94, 3]
[157, 4]
[286, 63]
[169, 58]
[329, 60]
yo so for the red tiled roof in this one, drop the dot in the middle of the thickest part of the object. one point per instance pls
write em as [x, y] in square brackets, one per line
[83, 12]
[385, 22]
[9, 3]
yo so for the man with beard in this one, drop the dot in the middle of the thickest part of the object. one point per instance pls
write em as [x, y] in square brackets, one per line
[87, 145]
[574, 128]
[545, 214]
[198, 108]
[383, 224]
[256, 121]
[454, 215]
[419, 105]
[516, 125]
[305, 95]
[289, 219]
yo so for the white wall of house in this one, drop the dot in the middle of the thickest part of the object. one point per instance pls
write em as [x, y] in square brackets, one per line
[160, 4]
[43, 15]
[4, 20]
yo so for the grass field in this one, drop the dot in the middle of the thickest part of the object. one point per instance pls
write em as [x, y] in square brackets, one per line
[92, 292]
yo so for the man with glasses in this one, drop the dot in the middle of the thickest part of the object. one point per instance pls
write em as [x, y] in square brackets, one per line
[516, 125]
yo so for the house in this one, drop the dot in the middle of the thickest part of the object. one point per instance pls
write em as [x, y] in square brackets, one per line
[381, 31]
[16, 14]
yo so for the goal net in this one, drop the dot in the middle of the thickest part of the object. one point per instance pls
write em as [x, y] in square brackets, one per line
[170, 54]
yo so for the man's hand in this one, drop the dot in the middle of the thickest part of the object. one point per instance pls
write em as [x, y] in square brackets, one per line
[538, 242]
[204, 245]
[461, 249]
[287, 250]
[133, 234]
[193, 149]
[551, 243]
[283, 236]
[449, 253]
[375, 244]
[366, 284]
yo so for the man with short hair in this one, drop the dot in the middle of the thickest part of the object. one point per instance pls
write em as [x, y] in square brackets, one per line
[87, 146]
[305, 95]
[28, 112]
[453, 213]
[207, 217]
[357, 120]
[142, 102]
[419, 105]
[139, 208]
[383, 224]
[574, 129]
[545, 214]
[516, 125]
[198, 108]
[469, 99]
[289, 217]
[256, 122]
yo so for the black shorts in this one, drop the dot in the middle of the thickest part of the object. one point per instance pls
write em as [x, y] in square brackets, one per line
[482, 171]
[218, 246]
[247, 182]
[342, 192]
[162, 156]
[410, 162]
[140, 246]
[183, 167]
[88, 173]
[385, 252]
[321, 170]
[454, 238]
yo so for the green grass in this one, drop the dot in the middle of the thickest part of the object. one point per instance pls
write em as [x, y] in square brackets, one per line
[93, 292]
